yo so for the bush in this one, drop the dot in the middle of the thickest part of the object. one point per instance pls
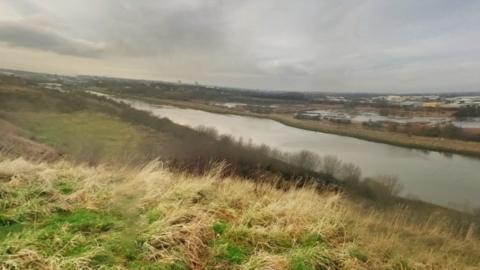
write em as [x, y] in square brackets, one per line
[331, 165]
[306, 159]
[350, 173]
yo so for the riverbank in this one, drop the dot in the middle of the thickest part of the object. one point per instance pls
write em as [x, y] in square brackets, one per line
[350, 130]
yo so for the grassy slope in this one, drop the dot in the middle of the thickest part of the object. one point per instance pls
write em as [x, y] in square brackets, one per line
[356, 131]
[15, 141]
[44, 124]
[90, 129]
[60, 216]
[41, 222]
[78, 132]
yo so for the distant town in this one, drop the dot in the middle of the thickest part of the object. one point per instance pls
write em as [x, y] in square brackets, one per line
[449, 100]
[368, 109]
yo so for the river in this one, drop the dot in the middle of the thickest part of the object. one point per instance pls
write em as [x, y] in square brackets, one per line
[435, 177]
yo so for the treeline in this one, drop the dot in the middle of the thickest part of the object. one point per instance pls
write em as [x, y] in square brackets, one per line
[448, 130]
[384, 188]
[468, 111]
[187, 92]
[380, 190]
[443, 131]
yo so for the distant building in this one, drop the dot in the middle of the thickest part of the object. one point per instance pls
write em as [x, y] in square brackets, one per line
[336, 99]
[431, 97]
[411, 103]
[452, 105]
[53, 86]
[431, 104]
[394, 98]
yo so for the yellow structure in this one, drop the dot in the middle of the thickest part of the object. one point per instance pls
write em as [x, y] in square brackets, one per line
[432, 104]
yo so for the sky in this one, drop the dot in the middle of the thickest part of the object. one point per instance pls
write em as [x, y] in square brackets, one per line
[303, 45]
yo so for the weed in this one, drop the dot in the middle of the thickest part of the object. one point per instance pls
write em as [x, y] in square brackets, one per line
[220, 227]
[66, 187]
[82, 220]
[232, 253]
[358, 254]
[153, 215]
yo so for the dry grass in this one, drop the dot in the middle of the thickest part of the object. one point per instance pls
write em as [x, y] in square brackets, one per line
[61, 216]
[409, 241]
[14, 142]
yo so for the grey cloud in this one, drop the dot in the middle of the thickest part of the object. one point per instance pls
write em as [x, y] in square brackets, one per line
[348, 45]
[156, 28]
[23, 34]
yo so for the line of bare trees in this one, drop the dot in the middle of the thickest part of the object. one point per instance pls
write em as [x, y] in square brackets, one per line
[380, 187]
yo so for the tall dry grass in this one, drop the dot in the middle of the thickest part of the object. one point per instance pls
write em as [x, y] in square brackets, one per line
[64, 216]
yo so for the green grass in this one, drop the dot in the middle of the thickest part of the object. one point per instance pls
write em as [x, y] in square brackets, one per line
[153, 215]
[83, 134]
[98, 236]
[231, 253]
[358, 254]
[8, 227]
[311, 258]
[82, 220]
[66, 187]
[220, 226]
[234, 244]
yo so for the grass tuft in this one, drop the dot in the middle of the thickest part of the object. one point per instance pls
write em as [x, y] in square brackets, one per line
[220, 227]
[66, 187]
[358, 254]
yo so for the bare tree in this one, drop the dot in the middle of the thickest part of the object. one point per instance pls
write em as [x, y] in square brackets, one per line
[264, 149]
[306, 159]
[476, 212]
[350, 173]
[391, 184]
[209, 131]
[331, 165]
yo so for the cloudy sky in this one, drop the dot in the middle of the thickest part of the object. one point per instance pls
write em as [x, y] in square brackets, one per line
[303, 45]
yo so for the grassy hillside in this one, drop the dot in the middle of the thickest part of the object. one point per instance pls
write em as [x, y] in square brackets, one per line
[179, 213]
[75, 126]
[83, 133]
[92, 129]
[61, 216]
[15, 142]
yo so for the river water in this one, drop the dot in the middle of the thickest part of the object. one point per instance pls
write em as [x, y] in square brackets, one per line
[432, 176]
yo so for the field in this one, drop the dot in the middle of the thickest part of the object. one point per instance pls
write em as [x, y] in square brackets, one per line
[62, 216]
[41, 123]
[82, 133]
